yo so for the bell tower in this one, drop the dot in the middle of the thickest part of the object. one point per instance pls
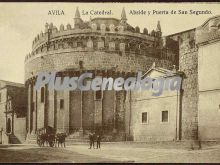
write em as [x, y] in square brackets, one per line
[123, 17]
[158, 29]
[77, 20]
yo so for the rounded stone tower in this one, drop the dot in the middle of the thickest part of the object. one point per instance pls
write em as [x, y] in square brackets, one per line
[103, 46]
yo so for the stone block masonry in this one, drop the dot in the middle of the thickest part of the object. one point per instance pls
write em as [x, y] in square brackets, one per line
[188, 63]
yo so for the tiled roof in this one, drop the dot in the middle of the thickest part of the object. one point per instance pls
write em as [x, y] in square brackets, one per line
[9, 83]
[162, 70]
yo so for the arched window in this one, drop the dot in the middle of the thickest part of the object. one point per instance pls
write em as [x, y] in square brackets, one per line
[42, 94]
[94, 26]
[112, 27]
[112, 45]
[122, 46]
[101, 44]
[103, 27]
[90, 44]
[8, 126]
[98, 95]
[61, 103]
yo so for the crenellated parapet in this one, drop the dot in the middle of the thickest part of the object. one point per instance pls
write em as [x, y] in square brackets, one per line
[69, 33]
[100, 43]
[116, 34]
[85, 40]
[55, 36]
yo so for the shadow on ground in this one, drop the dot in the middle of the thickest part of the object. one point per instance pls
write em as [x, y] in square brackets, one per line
[46, 154]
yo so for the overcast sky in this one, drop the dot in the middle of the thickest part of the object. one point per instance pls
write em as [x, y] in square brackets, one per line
[21, 22]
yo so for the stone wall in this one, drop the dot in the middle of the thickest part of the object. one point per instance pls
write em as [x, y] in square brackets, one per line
[40, 111]
[75, 110]
[52, 107]
[20, 129]
[90, 61]
[189, 66]
[108, 104]
[188, 63]
[88, 110]
[13, 98]
[120, 111]
[60, 112]
[77, 104]
[2, 108]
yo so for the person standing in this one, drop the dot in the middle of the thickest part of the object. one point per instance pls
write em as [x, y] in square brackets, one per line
[93, 139]
[98, 140]
[90, 140]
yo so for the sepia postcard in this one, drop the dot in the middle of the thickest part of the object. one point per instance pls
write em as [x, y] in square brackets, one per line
[109, 82]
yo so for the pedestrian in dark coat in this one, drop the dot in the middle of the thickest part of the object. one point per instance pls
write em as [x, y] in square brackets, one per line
[93, 140]
[90, 140]
[98, 140]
